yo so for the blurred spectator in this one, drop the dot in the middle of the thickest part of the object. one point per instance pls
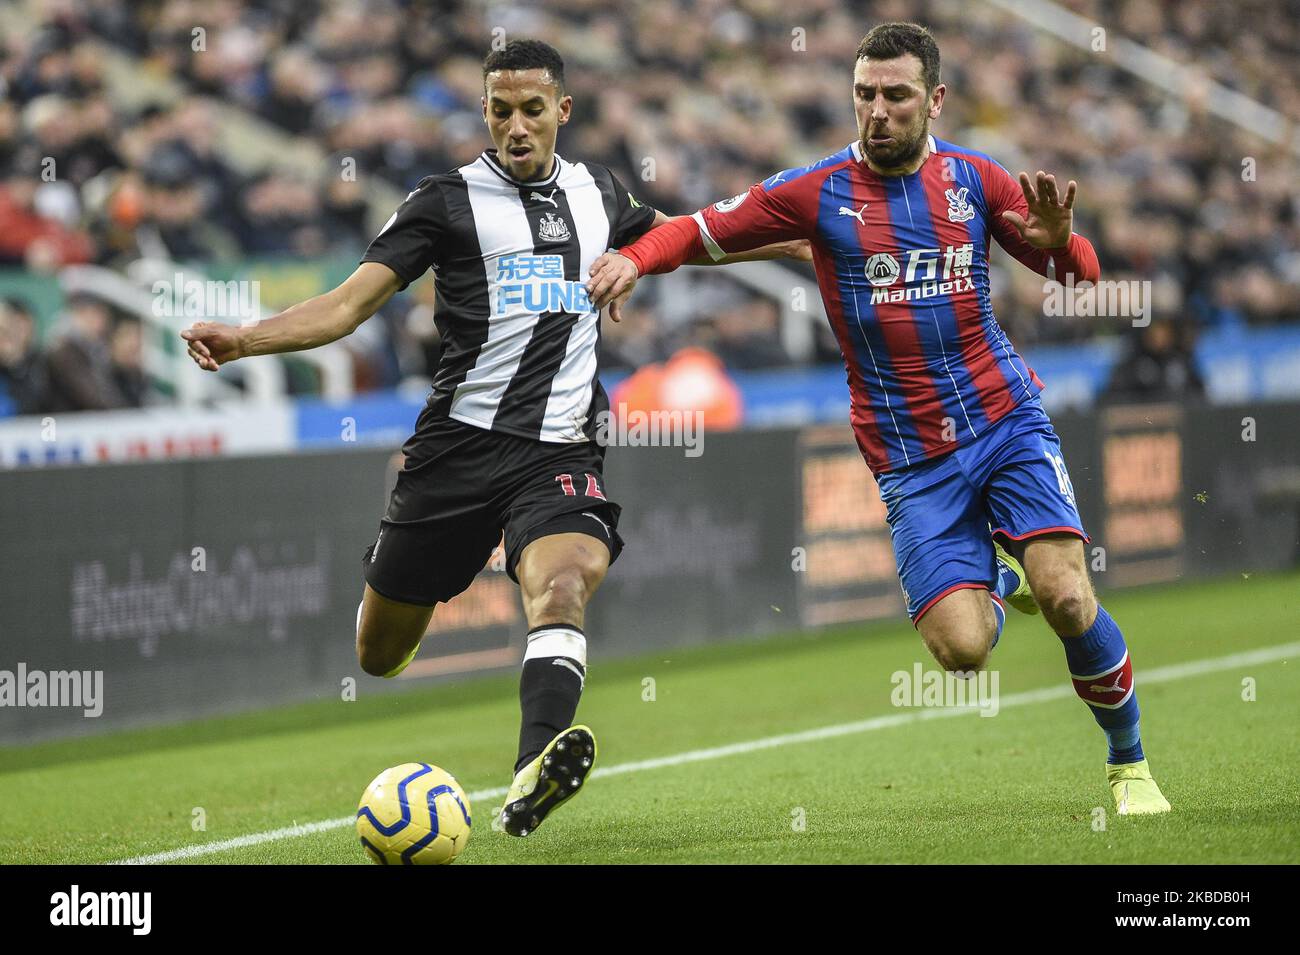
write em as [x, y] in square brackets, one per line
[1158, 366]
[30, 237]
[281, 215]
[174, 224]
[127, 363]
[634, 341]
[21, 373]
[691, 381]
[747, 336]
[79, 368]
[417, 339]
[345, 215]
[192, 129]
[294, 87]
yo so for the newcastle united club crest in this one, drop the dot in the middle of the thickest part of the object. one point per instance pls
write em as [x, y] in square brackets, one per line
[552, 228]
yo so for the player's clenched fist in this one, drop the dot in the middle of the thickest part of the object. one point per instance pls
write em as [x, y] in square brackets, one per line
[612, 279]
[212, 344]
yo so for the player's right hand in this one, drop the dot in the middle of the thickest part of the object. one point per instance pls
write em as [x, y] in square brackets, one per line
[613, 277]
[212, 344]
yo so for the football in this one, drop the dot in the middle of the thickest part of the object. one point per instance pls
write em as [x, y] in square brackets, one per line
[413, 814]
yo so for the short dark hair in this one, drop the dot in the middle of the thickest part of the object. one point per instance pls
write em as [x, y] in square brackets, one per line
[892, 40]
[526, 55]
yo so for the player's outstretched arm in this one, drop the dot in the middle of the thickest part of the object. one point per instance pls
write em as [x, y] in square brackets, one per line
[758, 224]
[1037, 227]
[798, 249]
[613, 276]
[317, 321]
[670, 243]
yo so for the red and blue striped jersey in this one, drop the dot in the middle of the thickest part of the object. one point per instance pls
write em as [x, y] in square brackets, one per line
[903, 267]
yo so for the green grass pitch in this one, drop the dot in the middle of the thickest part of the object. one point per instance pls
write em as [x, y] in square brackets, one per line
[1019, 787]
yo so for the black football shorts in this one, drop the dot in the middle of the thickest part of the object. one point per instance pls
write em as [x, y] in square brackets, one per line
[461, 487]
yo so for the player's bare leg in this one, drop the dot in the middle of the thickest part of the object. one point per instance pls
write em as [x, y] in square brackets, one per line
[1058, 576]
[960, 629]
[1099, 664]
[388, 633]
[558, 574]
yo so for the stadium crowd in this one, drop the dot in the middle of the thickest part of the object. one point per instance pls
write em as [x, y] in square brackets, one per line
[688, 102]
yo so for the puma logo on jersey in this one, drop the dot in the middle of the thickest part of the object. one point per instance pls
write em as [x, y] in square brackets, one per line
[542, 198]
[846, 211]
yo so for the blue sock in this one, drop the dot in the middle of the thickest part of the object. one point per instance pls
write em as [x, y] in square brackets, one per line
[1103, 677]
[1007, 581]
[1004, 584]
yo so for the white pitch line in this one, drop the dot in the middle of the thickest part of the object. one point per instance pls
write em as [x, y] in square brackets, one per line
[1165, 674]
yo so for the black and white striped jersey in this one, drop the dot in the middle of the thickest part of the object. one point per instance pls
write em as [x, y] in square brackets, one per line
[510, 261]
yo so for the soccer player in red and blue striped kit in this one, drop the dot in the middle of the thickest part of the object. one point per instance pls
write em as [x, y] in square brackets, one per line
[945, 412]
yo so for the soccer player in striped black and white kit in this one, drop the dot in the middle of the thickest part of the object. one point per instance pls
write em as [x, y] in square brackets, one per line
[505, 442]
[945, 412]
